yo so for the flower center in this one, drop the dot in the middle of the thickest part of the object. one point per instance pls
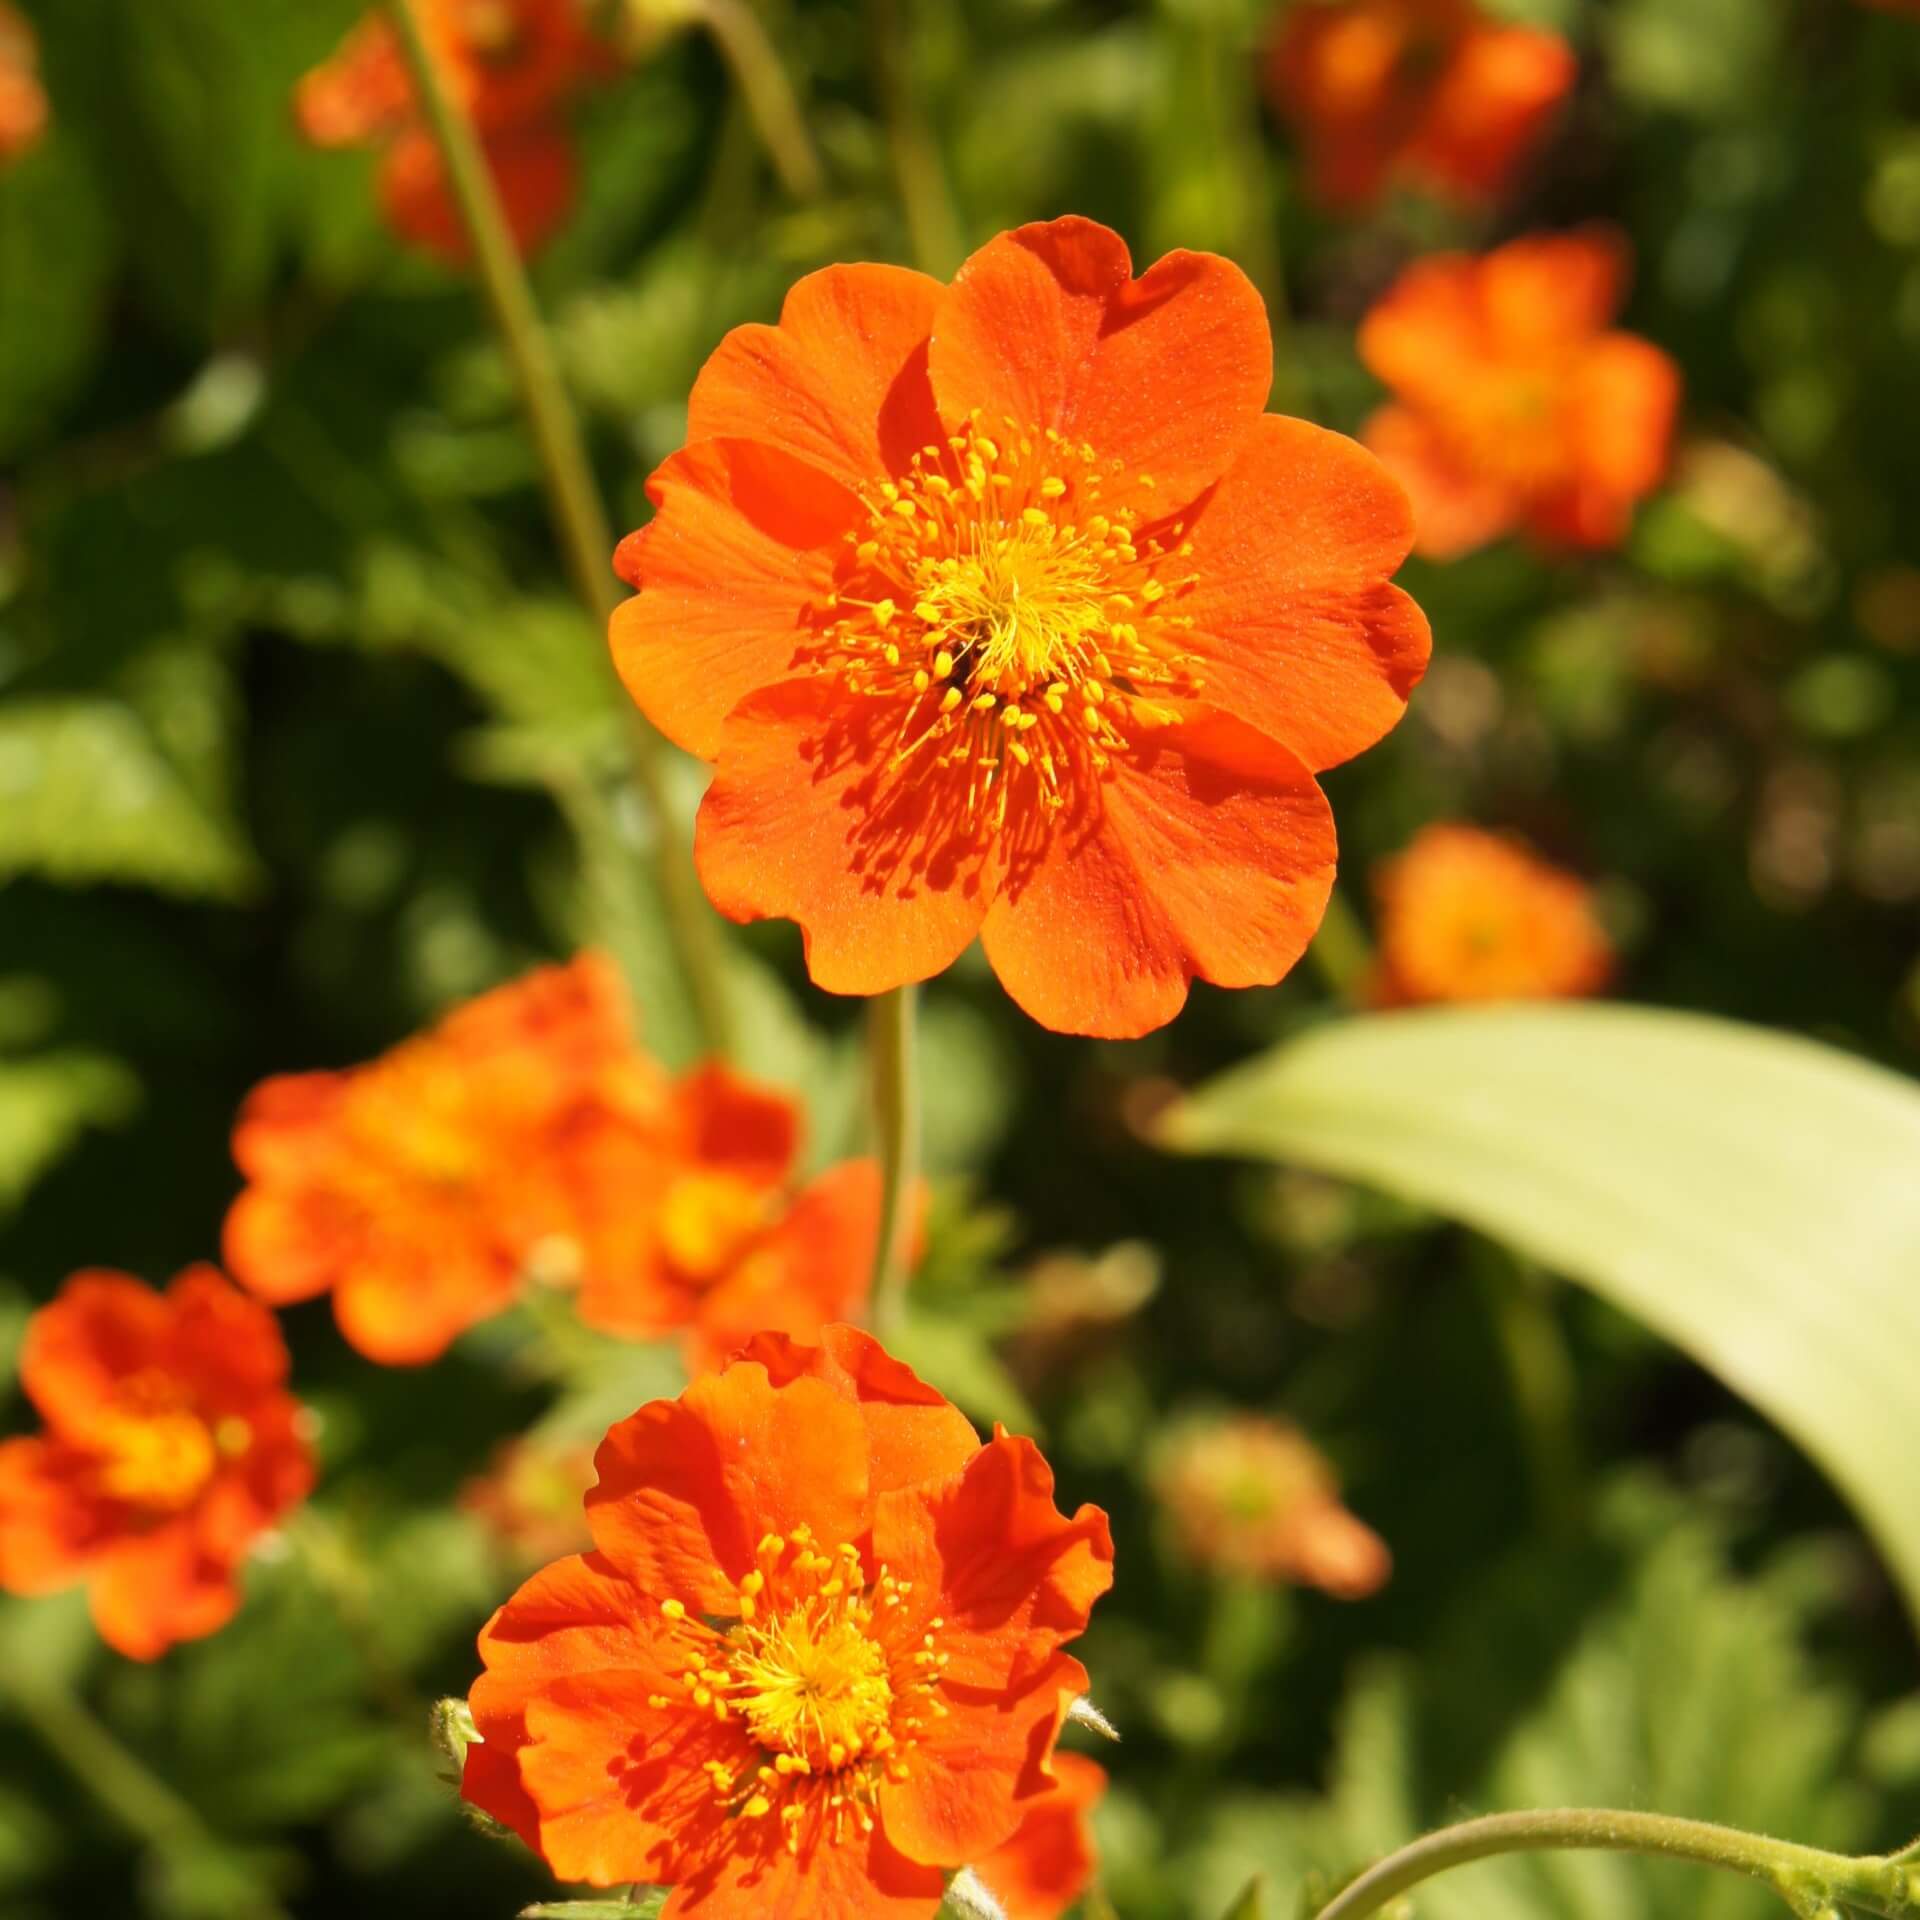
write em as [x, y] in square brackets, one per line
[159, 1459]
[1022, 627]
[832, 1685]
[706, 1222]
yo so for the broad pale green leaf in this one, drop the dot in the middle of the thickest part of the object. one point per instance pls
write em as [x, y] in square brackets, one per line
[1754, 1197]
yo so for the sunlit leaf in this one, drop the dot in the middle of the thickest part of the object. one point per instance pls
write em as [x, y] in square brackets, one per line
[46, 1103]
[1754, 1197]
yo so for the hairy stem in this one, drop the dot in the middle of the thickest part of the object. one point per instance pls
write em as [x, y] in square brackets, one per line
[573, 497]
[896, 1113]
[1808, 1880]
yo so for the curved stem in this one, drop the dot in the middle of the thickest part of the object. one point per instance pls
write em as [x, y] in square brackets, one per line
[1806, 1878]
[926, 197]
[770, 101]
[896, 1112]
[573, 497]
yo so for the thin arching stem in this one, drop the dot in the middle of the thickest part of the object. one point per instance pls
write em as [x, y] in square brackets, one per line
[896, 1113]
[770, 100]
[1806, 1878]
[573, 497]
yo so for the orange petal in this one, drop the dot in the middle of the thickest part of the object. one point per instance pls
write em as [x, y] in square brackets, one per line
[50, 1520]
[102, 1327]
[811, 1269]
[741, 548]
[914, 1434]
[1427, 332]
[987, 1550]
[689, 1486]
[286, 1243]
[534, 171]
[806, 821]
[1050, 1861]
[1206, 854]
[230, 1347]
[150, 1590]
[284, 1121]
[1044, 327]
[578, 1615]
[1490, 104]
[1454, 512]
[1545, 290]
[1626, 396]
[406, 1303]
[754, 1877]
[1298, 630]
[737, 1125]
[972, 1776]
[840, 383]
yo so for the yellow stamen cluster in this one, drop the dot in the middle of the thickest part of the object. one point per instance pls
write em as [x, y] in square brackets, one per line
[154, 1451]
[1023, 627]
[825, 1675]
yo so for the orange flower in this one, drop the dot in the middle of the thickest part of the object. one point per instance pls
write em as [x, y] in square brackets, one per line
[23, 102]
[1466, 915]
[1431, 92]
[171, 1445]
[1002, 609]
[1516, 403]
[1252, 1496]
[531, 1499]
[510, 64]
[1049, 1862]
[815, 1661]
[422, 1188]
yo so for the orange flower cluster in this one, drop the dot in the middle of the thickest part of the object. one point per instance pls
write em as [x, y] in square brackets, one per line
[170, 1446]
[1252, 1496]
[1466, 915]
[1003, 609]
[1516, 404]
[23, 101]
[1431, 92]
[815, 1661]
[510, 64]
[528, 1137]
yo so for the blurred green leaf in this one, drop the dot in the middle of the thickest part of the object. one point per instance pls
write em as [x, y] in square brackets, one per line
[643, 1906]
[958, 1359]
[1755, 1198]
[47, 1103]
[1252, 1904]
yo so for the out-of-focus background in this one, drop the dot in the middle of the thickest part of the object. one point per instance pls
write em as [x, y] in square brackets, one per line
[302, 740]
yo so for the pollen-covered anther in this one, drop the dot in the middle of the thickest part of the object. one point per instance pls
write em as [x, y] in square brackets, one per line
[996, 597]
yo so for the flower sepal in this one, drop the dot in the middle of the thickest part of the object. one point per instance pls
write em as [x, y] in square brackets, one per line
[970, 1898]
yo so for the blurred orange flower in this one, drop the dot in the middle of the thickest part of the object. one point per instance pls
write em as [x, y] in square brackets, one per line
[23, 101]
[1466, 915]
[1516, 405]
[1434, 93]
[814, 1662]
[171, 1445]
[510, 64]
[1049, 1862]
[1002, 609]
[1249, 1495]
[421, 1189]
[531, 1500]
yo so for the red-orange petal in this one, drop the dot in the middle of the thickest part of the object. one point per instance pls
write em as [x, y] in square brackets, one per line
[862, 1878]
[1207, 853]
[535, 172]
[840, 384]
[806, 820]
[1297, 628]
[688, 1486]
[1454, 512]
[148, 1591]
[1626, 398]
[405, 1304]
[101, 1328]
[1489, 106]
[741, 547]
[49, 1517]
[1050, 1861]
[229, 1346]
[1046, 327]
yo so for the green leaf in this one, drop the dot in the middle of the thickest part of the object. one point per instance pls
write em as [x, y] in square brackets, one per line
[46, 1103]
[1753, 1197]
[1252, 1904]
[88, 794]
[644, 1907]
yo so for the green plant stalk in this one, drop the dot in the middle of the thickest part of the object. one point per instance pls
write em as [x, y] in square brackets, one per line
[573, 498]
[1341, 953]
[892, 1057]
[1541, 1370]
[926, 197]
[770, 101]
[1810, 1881]
[143, 1803]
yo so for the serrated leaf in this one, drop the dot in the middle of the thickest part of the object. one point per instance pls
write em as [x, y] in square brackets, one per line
[46, 1104]
[87, 795]
[1753, 1197]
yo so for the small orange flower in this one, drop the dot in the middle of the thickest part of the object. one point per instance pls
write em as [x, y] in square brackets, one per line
[510, 64]
[1002, 609]
[171, 1445]
[1432, 92]
[23, 101]
[814, 1663]
[1466, 915]
[1049, 1862]
[531, 1500]
[1252, 1496]
[423, 1188]
[1516, 404]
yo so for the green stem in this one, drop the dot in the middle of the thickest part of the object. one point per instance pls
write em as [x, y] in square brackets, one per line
[1808, 1880]
[1341, 953]
[1541, 1371]
[770, 101]
[896, 1113]
[926, 198]
[573, 497]
[143, 1803]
